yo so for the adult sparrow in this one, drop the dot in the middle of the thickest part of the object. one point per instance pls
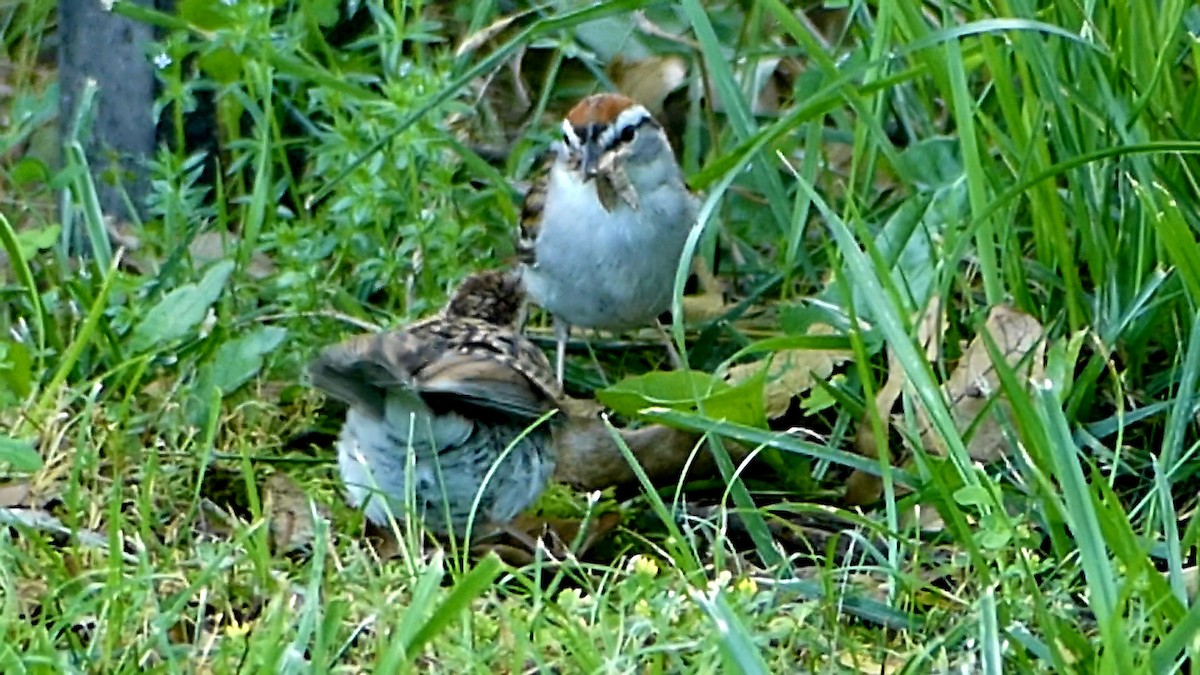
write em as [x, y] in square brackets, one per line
[602, 233]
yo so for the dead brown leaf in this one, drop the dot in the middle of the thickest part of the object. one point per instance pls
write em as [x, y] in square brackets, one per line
[124, 236]
[15, 494]
[484, 35]
[557, 535]
[40, 491]
[769, 81]
[648, 81]
[709, 303]
[290, 512]
[858, 661]
[839, 162]
[212, 246]
[791, 372]
[703, 307]
[974, 382]
[863, 488]
[589, 458]
[970, 389]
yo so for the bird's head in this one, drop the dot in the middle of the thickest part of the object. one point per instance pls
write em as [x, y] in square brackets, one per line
[603, 129]
[493, 296]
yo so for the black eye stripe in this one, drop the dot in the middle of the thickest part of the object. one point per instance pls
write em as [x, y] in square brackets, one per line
[627, 134]
[608, 136]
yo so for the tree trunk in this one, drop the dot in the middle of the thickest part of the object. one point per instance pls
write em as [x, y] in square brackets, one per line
[99, 45]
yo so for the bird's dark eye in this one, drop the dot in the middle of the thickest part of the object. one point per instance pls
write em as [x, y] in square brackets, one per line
[628, 133]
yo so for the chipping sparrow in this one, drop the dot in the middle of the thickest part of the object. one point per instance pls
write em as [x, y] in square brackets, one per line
[458, 389]
[602, 234]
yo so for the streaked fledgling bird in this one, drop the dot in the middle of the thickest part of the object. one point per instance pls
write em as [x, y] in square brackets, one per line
[602, 232]
[456, 390]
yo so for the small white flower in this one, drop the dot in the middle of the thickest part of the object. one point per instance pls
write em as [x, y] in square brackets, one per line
[107, 4]
[20, 332]
[210, 320]
[719, 583]
[162, 60]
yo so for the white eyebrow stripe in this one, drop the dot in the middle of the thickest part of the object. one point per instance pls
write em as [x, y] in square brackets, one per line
[632, 116]
[569, 134]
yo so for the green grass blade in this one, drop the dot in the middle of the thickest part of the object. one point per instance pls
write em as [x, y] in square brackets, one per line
[84, 338]
[1165, 657]
[20, 266]
[740, 652]
[466, 589]
[755, 436]
[1080, 512]
[733, 97]
[485, 65]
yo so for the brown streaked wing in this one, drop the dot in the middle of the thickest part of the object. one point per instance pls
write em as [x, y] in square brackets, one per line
[531, 218]
[360, 370]
[527, 359]
[510, 350]
[476, 378]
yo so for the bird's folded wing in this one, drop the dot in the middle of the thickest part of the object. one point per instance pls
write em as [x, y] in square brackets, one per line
[532, 207]
[479, 379]
[360, 371]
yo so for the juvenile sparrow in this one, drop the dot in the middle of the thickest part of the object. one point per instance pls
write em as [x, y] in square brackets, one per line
[457, 389]
[601, 235]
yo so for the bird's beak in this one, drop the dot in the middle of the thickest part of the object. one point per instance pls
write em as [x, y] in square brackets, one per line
[591, 159]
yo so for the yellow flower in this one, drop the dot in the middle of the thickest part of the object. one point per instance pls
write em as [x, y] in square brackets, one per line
[641, 565]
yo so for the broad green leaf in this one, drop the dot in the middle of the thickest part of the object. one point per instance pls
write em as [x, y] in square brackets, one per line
[931, 163]
[222, 64]
[664, 389]
[18, 454]
[680, 390]
[767, 438]
[972, 495]
[234, 363]
[180, 310]
[324, 12]
[205, 14]
[28, 170]
[40, 239]
[16, 368]
[238, 360]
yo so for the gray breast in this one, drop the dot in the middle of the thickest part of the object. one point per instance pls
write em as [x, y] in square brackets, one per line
[384, 473]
